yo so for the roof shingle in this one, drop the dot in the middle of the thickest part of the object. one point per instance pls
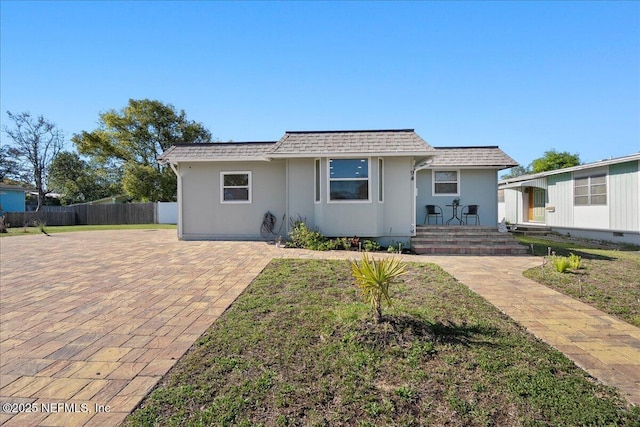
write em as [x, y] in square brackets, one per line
[472, 156]
[217, 151]
[314, 143]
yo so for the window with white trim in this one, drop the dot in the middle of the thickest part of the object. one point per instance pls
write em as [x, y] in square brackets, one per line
[235, 187]
[380, 179]
[348, 180]
[590, 190]
[446, 182]
[318, 197]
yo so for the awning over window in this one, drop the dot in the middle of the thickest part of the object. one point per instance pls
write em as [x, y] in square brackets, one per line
[538, 183]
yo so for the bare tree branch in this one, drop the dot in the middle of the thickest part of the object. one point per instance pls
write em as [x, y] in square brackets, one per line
[36, 142]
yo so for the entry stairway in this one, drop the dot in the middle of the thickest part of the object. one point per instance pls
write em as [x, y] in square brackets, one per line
[464, 240]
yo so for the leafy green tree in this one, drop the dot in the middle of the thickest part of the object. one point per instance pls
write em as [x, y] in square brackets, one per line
[516, 171]
[80, 181]
[35, 143]
[11, 170]
[553, 160]
[134, 137]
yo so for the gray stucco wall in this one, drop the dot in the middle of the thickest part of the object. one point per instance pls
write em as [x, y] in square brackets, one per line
[476, 187]
[205, 217]
[301, 190]
[388, 220]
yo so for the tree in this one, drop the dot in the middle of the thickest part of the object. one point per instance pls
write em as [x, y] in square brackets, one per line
[11, 170]
[517, 171]
[553, 160]
[79, 181]
[36, 142]
[134, 137]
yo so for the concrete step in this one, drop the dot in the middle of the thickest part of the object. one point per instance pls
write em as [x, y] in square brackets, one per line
[464, 240]
[530, 229]
[469, 250]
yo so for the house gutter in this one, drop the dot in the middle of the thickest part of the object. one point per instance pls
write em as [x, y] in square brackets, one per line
[175, 170]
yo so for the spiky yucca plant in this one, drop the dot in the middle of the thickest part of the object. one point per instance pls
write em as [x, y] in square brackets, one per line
[373, 278]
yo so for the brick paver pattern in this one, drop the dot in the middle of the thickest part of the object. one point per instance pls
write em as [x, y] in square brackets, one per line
[90, 322]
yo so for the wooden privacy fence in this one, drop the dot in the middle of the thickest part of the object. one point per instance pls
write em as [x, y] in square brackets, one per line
[113, 214]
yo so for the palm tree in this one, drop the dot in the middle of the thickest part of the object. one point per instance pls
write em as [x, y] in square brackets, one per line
[374, 277]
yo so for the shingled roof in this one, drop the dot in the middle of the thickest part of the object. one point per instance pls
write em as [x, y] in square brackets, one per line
[218, 151]
[395, 142]
[489, 156]
[403, 142]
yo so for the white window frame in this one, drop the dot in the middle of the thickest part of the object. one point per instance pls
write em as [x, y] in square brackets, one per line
[433, 182]
[222, 187]
[380, 180]
[329, 179]
[589, 186]
[317, 180]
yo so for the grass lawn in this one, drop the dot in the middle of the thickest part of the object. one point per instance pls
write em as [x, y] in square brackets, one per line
[25, 231]
[609, 278]
[298, 348]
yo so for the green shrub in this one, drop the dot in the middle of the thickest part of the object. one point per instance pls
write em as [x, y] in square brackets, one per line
[370, 246]
[397, 247]
[575, 262]
[374, 277]
[561, 264]
[303, 237]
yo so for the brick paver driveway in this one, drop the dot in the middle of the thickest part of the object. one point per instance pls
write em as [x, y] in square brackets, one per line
[93, 320]
[89, 322]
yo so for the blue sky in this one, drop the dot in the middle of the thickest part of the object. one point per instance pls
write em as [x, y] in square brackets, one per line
[526, 76]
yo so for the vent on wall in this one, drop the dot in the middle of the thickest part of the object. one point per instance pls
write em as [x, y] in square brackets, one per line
[618, 234]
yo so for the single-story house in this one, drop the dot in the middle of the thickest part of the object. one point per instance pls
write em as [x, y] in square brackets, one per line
[599, 200]
[366, 183]
[12, 198]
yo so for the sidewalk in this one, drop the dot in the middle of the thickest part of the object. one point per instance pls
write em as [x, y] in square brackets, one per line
[605, 347]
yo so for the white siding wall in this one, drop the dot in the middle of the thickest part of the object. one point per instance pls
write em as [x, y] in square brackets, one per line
[167, 213]
[560, 197]
[513, 205]
[624, 196]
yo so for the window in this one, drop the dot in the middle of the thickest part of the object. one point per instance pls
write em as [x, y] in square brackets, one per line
[235, 187]
[590, 190]
[445, 183]
[380, 180]
[317, 181]
[348, 179]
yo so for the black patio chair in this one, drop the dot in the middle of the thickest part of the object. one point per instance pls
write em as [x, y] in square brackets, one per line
[433, 210]
[470, 210]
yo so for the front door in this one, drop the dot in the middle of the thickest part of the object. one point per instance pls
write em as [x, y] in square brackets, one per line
[537, 198]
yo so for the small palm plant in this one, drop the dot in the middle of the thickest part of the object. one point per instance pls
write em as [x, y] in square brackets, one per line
[374, 277]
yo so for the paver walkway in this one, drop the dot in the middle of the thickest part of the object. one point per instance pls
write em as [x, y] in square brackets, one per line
[94, 320]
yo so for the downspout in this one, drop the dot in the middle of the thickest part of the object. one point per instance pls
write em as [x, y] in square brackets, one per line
[414, 225]
[286, 197]
[179, 177]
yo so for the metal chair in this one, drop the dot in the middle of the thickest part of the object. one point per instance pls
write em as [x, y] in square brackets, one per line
[433, 210]
[470, 210]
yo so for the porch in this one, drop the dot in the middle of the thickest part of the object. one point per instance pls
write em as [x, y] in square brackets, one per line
[464, 240]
